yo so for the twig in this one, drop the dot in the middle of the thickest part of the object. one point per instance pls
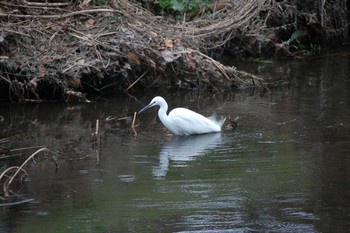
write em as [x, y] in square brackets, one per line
[46, 7]
[61, 16]
[133, 124]
[16, 32]
[131, 85]
[46, 3]
[26, 148]
[133, 97]
[216, 63]
[12, 168]
[89, 38]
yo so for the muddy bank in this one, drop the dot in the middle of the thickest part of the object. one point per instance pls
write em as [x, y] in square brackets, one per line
[65, 50]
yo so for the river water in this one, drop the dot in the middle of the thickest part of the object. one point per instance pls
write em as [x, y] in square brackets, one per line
[284, 168]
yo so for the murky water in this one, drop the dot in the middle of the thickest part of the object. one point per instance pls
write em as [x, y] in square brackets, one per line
[285, 168]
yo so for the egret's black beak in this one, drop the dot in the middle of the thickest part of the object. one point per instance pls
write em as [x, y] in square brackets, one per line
[147, 107]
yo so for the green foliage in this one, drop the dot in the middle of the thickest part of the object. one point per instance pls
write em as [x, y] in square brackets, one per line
[8, 64]
[296, 35]
[295, 43]
[99, 2]
[178, 7]
[117, 19]
[295, 40]
[164, 4]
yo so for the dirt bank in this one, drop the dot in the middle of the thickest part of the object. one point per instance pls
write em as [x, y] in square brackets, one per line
[52, 50]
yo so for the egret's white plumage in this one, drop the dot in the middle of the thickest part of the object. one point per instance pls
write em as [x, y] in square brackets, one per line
[182, 121]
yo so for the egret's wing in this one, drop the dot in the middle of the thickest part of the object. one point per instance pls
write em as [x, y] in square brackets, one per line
[182, 124]
[186, 121]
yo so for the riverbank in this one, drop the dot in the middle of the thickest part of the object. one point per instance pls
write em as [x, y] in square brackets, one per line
[65, 51]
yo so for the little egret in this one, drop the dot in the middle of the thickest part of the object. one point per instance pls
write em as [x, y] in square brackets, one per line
[182, 121]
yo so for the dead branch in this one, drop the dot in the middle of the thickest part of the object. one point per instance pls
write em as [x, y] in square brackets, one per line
[60, 16]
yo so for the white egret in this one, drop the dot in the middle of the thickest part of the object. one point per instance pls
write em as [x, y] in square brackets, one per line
[182, 121]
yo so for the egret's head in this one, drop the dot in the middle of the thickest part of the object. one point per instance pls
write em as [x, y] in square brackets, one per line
[158, 100]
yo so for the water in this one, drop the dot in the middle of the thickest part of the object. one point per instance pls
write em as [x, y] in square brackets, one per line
[285, 168]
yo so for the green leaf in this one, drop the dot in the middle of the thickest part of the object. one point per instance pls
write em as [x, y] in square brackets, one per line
[296, 35]
[165, 4]
[176, 5]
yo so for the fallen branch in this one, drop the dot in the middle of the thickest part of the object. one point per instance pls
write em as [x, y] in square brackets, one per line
[60, 16]
[216, 63]
[56, 4]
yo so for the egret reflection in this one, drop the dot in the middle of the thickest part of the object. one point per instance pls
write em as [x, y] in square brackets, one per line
[181, 150]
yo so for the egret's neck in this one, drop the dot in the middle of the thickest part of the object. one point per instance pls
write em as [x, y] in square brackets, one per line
[162, 113]
[164, 118]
